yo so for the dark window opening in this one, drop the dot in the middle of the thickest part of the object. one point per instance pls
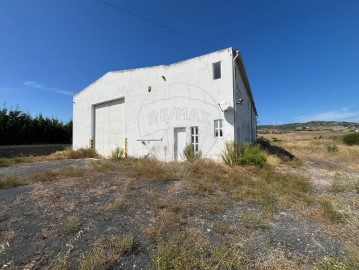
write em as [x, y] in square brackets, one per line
[216, 70]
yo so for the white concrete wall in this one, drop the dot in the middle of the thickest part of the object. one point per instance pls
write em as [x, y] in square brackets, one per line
[245, 119]
[188, 97]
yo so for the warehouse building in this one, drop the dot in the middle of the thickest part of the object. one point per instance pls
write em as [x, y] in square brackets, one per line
[157, 111]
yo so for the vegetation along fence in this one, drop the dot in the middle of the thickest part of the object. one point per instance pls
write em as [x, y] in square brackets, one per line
[9, 151]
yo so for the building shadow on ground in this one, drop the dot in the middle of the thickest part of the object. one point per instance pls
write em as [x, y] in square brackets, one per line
[275, 150]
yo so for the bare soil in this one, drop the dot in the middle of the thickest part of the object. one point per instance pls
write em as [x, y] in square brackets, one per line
[55, 224]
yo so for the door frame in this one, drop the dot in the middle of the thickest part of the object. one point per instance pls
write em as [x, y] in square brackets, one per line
[176, 130]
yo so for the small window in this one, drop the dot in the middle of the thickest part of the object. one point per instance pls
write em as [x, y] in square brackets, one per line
[216, 70]
[218, 128]
[194, 138]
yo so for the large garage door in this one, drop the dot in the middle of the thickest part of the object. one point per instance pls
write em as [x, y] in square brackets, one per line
[109, 126]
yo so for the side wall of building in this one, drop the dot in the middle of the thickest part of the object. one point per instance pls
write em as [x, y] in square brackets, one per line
[245, 118]
[182, 95]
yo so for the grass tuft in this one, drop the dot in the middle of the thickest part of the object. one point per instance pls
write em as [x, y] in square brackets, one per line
[118, 154]
[337, 187]
[332, 148]
[118, 204]
[190, 154]
[44, 176]
[106, 251]
[329, 210]
[69, 172]
[252, 220]
[13, 181]
[71, 225]
[356, 186]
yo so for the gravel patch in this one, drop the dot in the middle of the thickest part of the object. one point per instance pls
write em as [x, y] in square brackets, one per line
[34, 168]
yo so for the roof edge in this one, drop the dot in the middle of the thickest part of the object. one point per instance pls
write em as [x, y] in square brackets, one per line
[91, 84]
[242, 69]
[157, 66]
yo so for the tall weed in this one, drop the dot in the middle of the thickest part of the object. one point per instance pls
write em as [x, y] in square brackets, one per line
[236, 153]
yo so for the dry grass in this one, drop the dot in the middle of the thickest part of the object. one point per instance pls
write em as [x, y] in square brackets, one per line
[303, 145]
[106, 251]
[68, 153]
[267, 187]
[216, 204]
[118, 203]
[70, 226]
[223, 228]
[149, 169]
[278, 259]
[7, 162]
[179, 252]
[207, 215]
[252, 220]
[336, 206]
[13, 181]
[8, 236]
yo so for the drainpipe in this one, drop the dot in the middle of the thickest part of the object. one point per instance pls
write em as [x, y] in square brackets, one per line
[234, 90]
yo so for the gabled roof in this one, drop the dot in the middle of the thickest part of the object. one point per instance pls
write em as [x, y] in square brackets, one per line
[242, 69]
[150, 67]
[239, 62]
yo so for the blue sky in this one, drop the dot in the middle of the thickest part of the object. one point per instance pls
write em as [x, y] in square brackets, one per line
[302, 57]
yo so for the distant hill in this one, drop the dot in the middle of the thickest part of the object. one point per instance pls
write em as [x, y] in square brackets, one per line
[313, 125]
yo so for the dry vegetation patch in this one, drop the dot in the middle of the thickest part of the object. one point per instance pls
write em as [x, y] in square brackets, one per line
[201, 215]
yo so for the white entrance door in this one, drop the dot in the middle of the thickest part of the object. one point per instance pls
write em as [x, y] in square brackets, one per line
[179, 143]
[109, 126]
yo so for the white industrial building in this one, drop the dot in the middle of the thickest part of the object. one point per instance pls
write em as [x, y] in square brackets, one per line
[155, 111]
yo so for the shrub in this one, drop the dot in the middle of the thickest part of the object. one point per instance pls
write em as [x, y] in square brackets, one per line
[118, 153]
[190, 154]
[351, 139]
[236, 153]
[332, 148]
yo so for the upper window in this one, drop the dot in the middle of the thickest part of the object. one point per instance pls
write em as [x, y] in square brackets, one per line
[218, 128]
[216, 70]
[194, 138]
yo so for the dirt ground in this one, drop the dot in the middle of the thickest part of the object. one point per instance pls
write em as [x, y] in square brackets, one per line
[106, 218]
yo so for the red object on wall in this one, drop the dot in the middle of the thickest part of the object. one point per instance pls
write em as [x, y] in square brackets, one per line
[149, 88]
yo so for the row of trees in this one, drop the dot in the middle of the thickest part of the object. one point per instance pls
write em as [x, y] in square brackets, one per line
[17, 127]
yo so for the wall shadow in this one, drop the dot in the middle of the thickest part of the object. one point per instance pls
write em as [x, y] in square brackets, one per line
[275, 150]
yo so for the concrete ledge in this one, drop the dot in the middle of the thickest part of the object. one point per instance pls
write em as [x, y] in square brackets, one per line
[10, 151]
